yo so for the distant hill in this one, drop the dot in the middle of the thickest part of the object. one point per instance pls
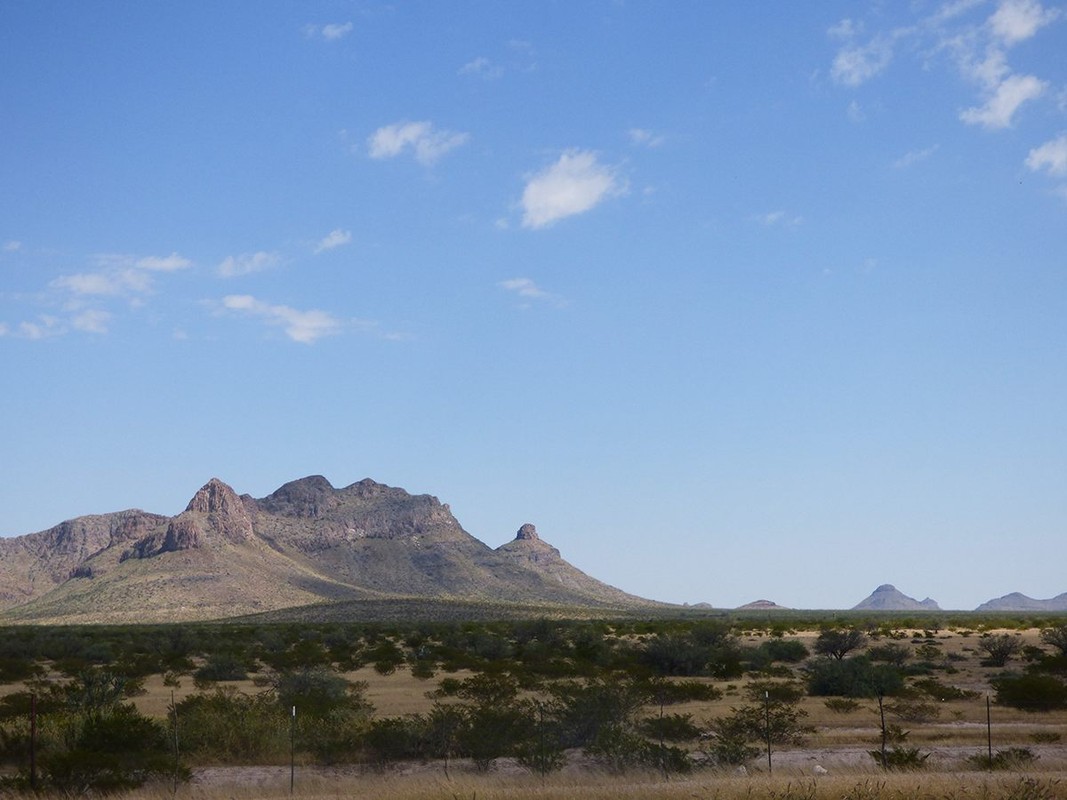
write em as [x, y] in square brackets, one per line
[1020, 602]
[888, 598]
[762, 605]
[306, 543]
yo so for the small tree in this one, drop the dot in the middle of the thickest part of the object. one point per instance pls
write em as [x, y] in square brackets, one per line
[1056, 637]
[999, 649]
[839, 642]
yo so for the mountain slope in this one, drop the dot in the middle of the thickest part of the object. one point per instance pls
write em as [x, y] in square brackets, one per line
[229, 555]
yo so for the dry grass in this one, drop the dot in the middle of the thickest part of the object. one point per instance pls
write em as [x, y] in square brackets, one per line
[599, 786]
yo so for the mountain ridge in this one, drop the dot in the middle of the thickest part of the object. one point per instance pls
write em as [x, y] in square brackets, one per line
[307, 542]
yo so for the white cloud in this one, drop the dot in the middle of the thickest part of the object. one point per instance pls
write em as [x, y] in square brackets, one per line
[301, 326]
[335, 238]
[914, 157]
[91, 321]
[647, 138]
[1004, 102]
[576, 183]
[527, 289]
[12, 246]
[1051, 156]
[163, 264]
[331, 32]
[247, 263]
[421, 138]
[481, 67]
[45, 328]
[855, 112]
[845, 29]
[782, 218]
[855, 65]
[1018, 20]
[107, 283]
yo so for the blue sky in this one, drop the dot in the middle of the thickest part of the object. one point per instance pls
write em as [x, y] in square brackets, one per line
[731, 300]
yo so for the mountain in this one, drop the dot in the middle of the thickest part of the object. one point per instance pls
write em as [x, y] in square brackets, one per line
[228, 555]
[762, 605]
[888, 598]
[1020, 602]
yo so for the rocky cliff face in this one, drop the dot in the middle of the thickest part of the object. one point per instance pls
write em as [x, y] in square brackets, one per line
[306, 542]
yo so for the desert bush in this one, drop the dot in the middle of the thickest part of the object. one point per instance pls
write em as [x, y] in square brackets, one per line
[229, 726]
[221, 667]
[913, 710]
[775, 691]
[841, 705]
[941, 691]
[900, 757]
[1045, 737]
[999, 648]
[1031, 692]
[1014, 758]
[853, 677]
[891, 653]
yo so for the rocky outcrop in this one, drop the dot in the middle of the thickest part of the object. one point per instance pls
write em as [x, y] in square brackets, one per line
[888, 598]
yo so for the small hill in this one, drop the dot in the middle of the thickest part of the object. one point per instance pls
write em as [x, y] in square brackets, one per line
[762, 605]
[1020, 602]
[888, 598]
[307, 543]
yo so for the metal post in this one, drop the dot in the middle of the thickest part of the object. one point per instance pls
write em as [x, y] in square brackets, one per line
[881, 714]
[767, 709]
[989, 730]
[292, 751]
[177, 755]
[33, 741]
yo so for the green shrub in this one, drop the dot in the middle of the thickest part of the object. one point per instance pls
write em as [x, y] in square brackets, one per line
[1031, 692]
[900, 758]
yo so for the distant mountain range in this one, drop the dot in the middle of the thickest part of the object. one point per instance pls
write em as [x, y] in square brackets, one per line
[228, 555]
[309, 544]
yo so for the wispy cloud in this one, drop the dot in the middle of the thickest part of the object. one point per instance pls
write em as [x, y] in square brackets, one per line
[1004, 101]
[1050, 157]
[330, 32]
[427, 143]
[645, 138]
[980, 50]
[482, 67]
[334, 239]
[530, 291]
[779, 218]
[12, 246]
[118, 275]
[247, 263]
[305, 327]
[574, 184]
[92, 320]
[914, 157]
[45, 327]
[857, 64]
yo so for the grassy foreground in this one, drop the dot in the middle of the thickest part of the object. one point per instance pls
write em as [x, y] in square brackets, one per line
[600, 786]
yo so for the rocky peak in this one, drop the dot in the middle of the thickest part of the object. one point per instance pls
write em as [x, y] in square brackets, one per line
[307, 497]
[527, 532]
[215, 497]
